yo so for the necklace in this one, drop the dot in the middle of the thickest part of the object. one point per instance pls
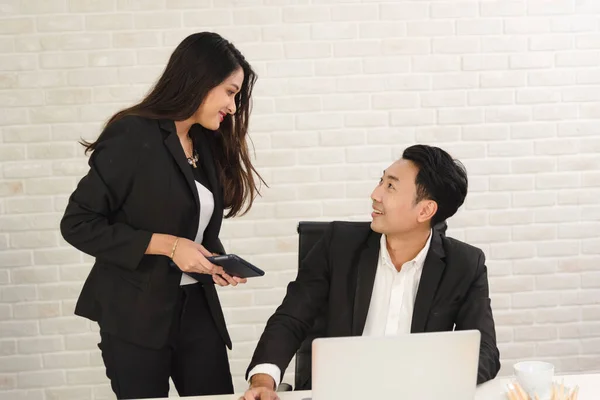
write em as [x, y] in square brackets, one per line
[194, 158]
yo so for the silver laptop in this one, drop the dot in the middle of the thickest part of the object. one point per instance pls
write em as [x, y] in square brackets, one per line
[439, 365]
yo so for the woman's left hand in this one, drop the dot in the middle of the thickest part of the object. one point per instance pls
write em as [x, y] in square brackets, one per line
[223, 279]
[226, 280]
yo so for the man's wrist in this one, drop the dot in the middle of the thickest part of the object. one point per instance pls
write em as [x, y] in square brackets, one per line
[262, 380]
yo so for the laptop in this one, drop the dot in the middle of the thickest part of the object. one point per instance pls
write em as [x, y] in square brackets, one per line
[436, 366]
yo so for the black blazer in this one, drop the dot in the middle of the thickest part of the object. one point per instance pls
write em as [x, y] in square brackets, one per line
[338, 274]
[140, 183]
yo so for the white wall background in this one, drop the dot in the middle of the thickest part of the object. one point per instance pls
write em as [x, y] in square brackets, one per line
[512, 87]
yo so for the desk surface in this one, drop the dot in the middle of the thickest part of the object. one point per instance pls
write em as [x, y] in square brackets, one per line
[589, 389]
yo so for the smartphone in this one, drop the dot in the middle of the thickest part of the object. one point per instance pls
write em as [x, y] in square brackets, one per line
[236, 266]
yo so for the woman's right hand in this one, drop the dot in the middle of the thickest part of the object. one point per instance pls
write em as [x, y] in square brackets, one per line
[189, 257]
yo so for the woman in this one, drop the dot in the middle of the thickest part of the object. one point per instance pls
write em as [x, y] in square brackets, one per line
[151, 206]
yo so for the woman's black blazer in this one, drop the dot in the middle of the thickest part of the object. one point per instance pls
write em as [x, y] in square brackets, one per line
[140, 183]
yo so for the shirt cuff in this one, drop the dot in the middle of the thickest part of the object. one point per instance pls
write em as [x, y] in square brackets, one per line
[270, 369]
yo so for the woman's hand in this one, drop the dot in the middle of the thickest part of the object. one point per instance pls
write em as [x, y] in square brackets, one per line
[191, 257]
[224, 279]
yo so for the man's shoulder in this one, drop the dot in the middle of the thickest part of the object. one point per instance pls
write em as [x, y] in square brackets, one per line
[457, 249]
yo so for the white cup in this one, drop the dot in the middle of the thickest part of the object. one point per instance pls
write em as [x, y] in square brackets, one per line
[535, 377]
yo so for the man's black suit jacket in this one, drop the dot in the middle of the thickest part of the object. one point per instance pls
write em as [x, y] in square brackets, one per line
[338, 275]
[140, 183]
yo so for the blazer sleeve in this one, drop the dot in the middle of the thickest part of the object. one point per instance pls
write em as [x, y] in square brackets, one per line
[476, 313]
[289, 326]
[218, 247]
[87, 222]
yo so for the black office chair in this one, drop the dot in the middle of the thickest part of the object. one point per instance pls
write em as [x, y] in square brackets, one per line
[309, 233]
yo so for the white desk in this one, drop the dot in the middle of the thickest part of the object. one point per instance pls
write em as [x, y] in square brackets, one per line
[589, 389]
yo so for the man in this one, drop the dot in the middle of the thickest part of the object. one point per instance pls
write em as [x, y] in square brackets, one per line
[397, 275]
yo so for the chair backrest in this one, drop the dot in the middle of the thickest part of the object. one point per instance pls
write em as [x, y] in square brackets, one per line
[309, 233]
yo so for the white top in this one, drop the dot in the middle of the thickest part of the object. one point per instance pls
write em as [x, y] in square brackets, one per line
[207, 206]
[392, 300]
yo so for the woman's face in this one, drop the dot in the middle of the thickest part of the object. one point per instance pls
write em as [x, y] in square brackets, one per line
[220, 101]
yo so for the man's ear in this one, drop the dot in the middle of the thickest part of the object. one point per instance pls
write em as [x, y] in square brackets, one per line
[428, 208]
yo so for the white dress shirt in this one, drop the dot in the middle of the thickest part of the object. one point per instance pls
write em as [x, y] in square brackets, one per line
[392, 301]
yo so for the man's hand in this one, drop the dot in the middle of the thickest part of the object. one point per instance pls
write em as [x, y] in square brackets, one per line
[262, 387]
[260, 393]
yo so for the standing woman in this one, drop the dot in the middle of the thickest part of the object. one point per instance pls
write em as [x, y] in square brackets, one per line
[161, 175]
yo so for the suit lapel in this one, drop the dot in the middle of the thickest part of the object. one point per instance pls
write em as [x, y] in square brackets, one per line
[430, 278]
[174, 146]
[205, 149]
[365, 279]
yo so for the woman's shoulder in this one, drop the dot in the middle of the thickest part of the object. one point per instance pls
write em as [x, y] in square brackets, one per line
[130, 133]
[132, 128]
[133, 124]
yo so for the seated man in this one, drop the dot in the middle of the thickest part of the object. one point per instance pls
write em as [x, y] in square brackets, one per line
[392, 276]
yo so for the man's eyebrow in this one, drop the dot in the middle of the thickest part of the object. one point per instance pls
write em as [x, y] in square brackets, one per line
[390, 177]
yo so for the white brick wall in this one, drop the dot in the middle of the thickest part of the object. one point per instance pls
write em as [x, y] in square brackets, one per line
[510, 86]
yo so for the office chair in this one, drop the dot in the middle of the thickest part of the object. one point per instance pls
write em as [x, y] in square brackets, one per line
[309, 233]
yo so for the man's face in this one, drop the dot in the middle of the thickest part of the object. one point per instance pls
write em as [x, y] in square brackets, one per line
[394, 207]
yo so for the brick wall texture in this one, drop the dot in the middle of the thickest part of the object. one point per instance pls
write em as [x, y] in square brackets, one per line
[511, 87]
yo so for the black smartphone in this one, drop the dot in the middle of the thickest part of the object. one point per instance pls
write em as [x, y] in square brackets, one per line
[236, 266]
